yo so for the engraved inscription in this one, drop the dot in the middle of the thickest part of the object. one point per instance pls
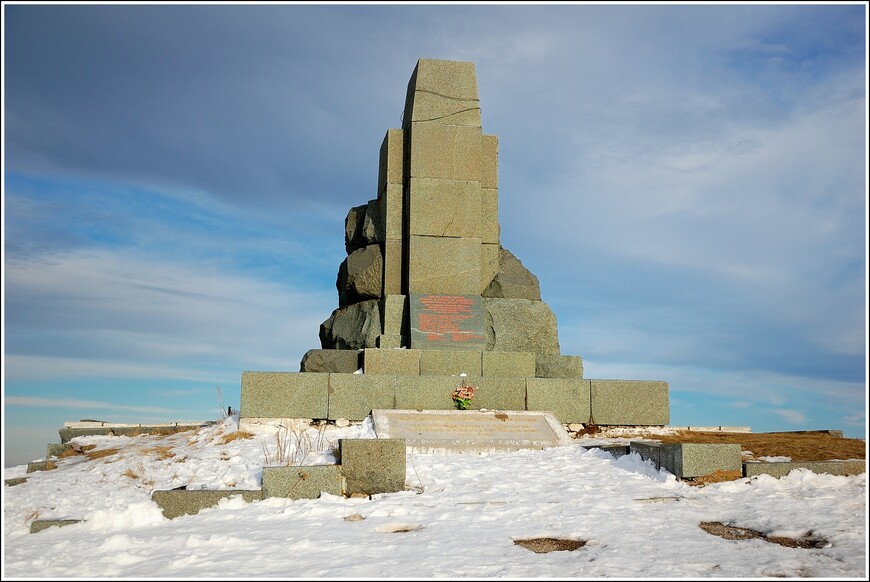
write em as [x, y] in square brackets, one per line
[447, 321]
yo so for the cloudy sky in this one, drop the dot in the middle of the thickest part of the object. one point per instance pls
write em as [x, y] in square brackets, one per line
[689, 183]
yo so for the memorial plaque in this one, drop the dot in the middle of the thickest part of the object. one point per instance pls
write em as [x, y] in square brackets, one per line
[447, 322]
[471, 430]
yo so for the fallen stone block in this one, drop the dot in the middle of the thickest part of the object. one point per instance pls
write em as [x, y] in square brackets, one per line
[615, 450]
[689, 460]
[302, 482]
[15, 481]
[38, 525]
[177, 502]
[372, 466]
[648, 451]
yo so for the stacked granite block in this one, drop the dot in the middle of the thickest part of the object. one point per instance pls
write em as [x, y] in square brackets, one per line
[427, 296]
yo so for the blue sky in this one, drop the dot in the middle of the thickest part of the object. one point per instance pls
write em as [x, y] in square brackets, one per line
[689, 184]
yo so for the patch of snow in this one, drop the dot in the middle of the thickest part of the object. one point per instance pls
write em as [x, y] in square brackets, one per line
[774, 459]
[455, 504]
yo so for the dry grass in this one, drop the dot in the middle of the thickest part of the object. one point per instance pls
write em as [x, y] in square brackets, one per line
[131, 474]
[236, 435]
[717, 476]
[161, 452]
[69, 452]
[797, 446]
[102, 453]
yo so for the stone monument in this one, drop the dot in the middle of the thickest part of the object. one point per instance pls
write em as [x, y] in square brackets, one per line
[427, 292]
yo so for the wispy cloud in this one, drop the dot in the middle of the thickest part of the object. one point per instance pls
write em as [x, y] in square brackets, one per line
[36, 402]
[792, 416]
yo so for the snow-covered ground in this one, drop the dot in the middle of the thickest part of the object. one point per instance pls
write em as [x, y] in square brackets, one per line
[458, 518]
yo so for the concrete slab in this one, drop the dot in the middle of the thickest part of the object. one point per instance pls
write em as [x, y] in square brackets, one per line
[471, 431]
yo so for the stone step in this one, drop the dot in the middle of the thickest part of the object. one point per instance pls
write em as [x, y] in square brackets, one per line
[276, 395]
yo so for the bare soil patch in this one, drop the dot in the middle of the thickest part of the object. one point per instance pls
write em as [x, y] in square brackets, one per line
[545, 545]
[797, 446]
[730, 532]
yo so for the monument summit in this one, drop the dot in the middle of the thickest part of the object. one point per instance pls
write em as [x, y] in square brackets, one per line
[427, 293]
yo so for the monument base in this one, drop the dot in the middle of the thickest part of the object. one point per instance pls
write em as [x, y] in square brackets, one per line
[470, 431]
